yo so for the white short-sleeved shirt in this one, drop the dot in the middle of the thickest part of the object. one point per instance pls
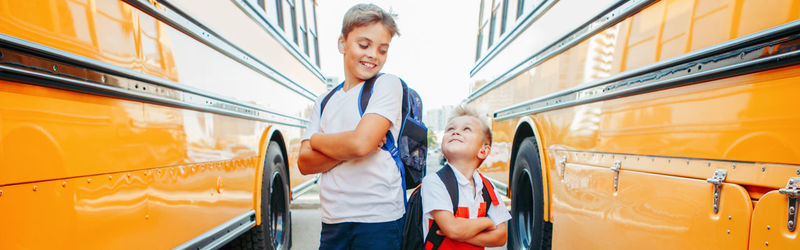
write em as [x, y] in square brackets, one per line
[435, 197]
[368, 189]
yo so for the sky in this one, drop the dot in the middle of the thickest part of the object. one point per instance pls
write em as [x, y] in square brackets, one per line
[433, 54]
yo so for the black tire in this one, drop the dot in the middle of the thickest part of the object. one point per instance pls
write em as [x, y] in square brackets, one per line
[275, 231]
[527, 228]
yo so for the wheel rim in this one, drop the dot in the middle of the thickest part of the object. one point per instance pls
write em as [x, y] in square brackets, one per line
[277, 212]
[523, 211]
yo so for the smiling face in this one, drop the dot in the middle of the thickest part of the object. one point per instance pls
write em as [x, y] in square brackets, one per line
[365, 49]
[464, 139]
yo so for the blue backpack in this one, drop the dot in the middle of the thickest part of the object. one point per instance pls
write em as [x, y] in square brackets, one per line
[411, 148]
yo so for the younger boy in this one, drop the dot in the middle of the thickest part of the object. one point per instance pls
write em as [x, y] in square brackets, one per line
[360, 189]
[466, 143]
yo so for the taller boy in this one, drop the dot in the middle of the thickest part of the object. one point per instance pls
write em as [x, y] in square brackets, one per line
[360, 189]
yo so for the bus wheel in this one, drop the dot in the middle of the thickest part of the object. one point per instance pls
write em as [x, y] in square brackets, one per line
[275, 231]
[527, 228]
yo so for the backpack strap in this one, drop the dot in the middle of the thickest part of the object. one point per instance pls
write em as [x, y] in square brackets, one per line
[488, 194]
[433, 240]
[328, 97]
[489, 188]
[366, 93]
[448, 177]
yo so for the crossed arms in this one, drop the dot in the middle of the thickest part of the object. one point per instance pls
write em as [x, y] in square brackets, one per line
[480, 231]
[324, 151]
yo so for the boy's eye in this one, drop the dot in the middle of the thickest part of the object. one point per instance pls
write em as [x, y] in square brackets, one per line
[383, 51]
[467, 129]
[363, 46]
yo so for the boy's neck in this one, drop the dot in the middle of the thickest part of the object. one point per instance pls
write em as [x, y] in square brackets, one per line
[350, 82]
[466, 168]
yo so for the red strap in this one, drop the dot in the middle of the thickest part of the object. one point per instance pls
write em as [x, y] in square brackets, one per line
[462, 212]
[490, 188]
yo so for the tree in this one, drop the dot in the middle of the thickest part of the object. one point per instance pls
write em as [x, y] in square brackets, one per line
[432, 141]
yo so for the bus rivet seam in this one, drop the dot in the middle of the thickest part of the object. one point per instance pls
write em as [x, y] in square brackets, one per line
[616, 168]
[792, 191]
[716, 180]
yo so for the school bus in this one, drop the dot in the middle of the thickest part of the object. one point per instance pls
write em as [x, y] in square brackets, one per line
[143, 124]
[668, 124]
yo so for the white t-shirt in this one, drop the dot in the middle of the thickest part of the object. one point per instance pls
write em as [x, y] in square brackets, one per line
[368, 189]
[435, 197]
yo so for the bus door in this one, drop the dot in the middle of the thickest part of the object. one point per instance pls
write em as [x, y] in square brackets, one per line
[609, 202]
[775, 218]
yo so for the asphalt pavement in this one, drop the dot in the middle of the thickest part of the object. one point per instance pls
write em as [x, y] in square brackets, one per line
[306, 223]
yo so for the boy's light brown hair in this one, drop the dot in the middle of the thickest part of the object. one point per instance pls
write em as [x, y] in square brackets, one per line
[464, 110]
[364, 14]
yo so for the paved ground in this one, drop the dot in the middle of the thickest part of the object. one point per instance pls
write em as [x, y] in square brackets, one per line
[306, 223]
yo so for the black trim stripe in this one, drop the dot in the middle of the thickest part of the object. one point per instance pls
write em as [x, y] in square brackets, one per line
[607, 18]
[183, 22]
[31, 63]
[768, 49]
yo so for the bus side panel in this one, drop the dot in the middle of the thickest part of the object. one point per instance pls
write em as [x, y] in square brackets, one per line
[180, 57]
[664, 30]
[167, 178]
[108, 172]
[657, 211]
[752, 118]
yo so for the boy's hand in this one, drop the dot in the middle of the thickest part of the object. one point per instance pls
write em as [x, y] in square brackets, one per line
[383, 142]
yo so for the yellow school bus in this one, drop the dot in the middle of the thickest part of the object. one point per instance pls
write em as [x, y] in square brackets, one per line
[643, 124]
[136, 124]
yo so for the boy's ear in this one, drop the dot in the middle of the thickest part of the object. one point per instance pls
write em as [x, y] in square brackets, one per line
[484, 152]
[341, 45]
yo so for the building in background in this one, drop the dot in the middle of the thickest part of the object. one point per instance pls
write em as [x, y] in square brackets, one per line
[436, 119]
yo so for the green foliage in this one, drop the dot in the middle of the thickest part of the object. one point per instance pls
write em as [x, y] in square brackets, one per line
[432, 140]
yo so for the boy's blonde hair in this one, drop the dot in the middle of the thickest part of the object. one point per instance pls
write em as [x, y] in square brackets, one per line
[364, 14]
[464, 110]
